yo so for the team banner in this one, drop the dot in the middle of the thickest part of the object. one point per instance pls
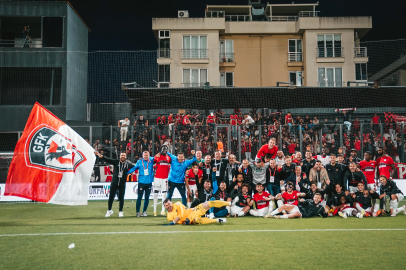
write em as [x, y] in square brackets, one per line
[51, 162]
[401, 170]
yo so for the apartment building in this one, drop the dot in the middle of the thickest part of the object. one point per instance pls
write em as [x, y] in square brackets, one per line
[261, 45]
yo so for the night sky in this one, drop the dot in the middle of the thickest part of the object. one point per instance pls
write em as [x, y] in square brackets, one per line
[126, 25]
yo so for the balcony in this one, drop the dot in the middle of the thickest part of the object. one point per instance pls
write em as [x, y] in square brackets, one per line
[360, 52]
[295, 57]
[238, 18]
[21, 43]
[282, 18]
[330, 54]
[309, 13]
[195, 54]
[193, 84]
[164, 53]
[214, 14]
[226, 57]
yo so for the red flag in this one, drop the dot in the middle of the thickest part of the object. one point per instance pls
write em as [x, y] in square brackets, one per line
[51, 162]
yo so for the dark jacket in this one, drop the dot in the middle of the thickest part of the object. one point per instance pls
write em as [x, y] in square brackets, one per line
[334, 199]
[275, 173]
[336, 173]
[310, 209]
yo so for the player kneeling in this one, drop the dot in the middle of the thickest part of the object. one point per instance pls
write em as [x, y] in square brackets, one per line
[179, 214]
[305, 209]
[389, 188]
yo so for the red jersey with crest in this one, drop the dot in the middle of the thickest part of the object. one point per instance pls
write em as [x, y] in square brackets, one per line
[260, 200]
[210, 119]
[384, 164]
[233, 120]
[185, 120]
[192, 179]
[368, 168]
[179, 119]
[291, 199]
[162, 166]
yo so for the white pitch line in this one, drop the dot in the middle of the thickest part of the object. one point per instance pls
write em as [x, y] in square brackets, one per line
[179, 232]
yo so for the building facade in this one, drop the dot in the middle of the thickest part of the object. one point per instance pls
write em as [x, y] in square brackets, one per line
[43, 58]
[261, 45]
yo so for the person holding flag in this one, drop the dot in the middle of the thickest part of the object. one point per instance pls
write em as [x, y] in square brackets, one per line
[120, 172]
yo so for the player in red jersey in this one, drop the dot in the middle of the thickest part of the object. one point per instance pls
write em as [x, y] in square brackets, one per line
[385, 165]
[261, 199]
[161, 177]
[233, 123]
[186, 120]
[269, 148]
[290, 196]
[193, 178]
[368, 167]
[211, 121]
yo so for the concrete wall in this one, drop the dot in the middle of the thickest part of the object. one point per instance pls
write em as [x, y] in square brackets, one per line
[312, 64]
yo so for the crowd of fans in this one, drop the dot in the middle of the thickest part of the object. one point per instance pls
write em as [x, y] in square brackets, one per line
[185, 131]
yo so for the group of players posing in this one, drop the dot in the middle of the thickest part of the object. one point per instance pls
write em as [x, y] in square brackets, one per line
[223, 187]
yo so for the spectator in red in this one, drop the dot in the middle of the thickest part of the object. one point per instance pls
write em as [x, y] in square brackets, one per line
[171, 122]
[289, 120]
[291, 147]
[161, 121]
[247, 149]
[234, 123]
[186, 120]
[356, 125]
[375, 124]
[211, 121]
[357, 146]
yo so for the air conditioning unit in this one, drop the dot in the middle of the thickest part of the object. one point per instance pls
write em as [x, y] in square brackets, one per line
[183, 14]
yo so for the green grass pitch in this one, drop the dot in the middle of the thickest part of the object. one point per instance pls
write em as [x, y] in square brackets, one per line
[241, 243]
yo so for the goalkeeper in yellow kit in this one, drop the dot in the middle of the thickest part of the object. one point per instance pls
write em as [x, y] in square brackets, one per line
[179, 214]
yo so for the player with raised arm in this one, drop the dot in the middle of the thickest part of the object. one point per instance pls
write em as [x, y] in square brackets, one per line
[242, 202]
[179, 214]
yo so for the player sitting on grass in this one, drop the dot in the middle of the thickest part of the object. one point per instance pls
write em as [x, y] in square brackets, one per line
[389, 188]
[306, 208]
[261, 199]
[362, 200]
[179, 214]
[222, 195]
[345, 209]
[242, 202]
[313, 190]
[334, 200]
[290, 196]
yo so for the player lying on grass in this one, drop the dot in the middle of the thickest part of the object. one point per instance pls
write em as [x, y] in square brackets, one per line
[345, 209]
[306, 208]
[389, 188]
[362, 200]
[179, 214]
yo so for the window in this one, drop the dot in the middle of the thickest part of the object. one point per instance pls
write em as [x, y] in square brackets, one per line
[194, 47]
[330, 77]
[226, 50]
[194, 77]
[296, 78]
[295, 50]
[361, 72]
[164, 76]
[227, 79]
[329, 46]
[164, 34]
[164, 44]
[52, 31]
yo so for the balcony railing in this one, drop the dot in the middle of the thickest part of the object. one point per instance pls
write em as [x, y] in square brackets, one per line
[238, 18]
[327, 83]
[282, 18]
[193, 84]
[21, 43]
[330, 52]
[295, 57]
[195, 53]
[226, 57]
[214, 14]
[164, 53]
[309, 13]
[360, 52]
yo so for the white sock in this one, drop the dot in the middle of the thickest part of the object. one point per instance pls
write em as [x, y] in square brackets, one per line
[241, 214]
[376, 207]
[394, 204]
[399, 210]
[359, 208]
[358, 214]
[271, 206]
[164, 195]
[189, 204]
[155, 200]
[275, 212]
